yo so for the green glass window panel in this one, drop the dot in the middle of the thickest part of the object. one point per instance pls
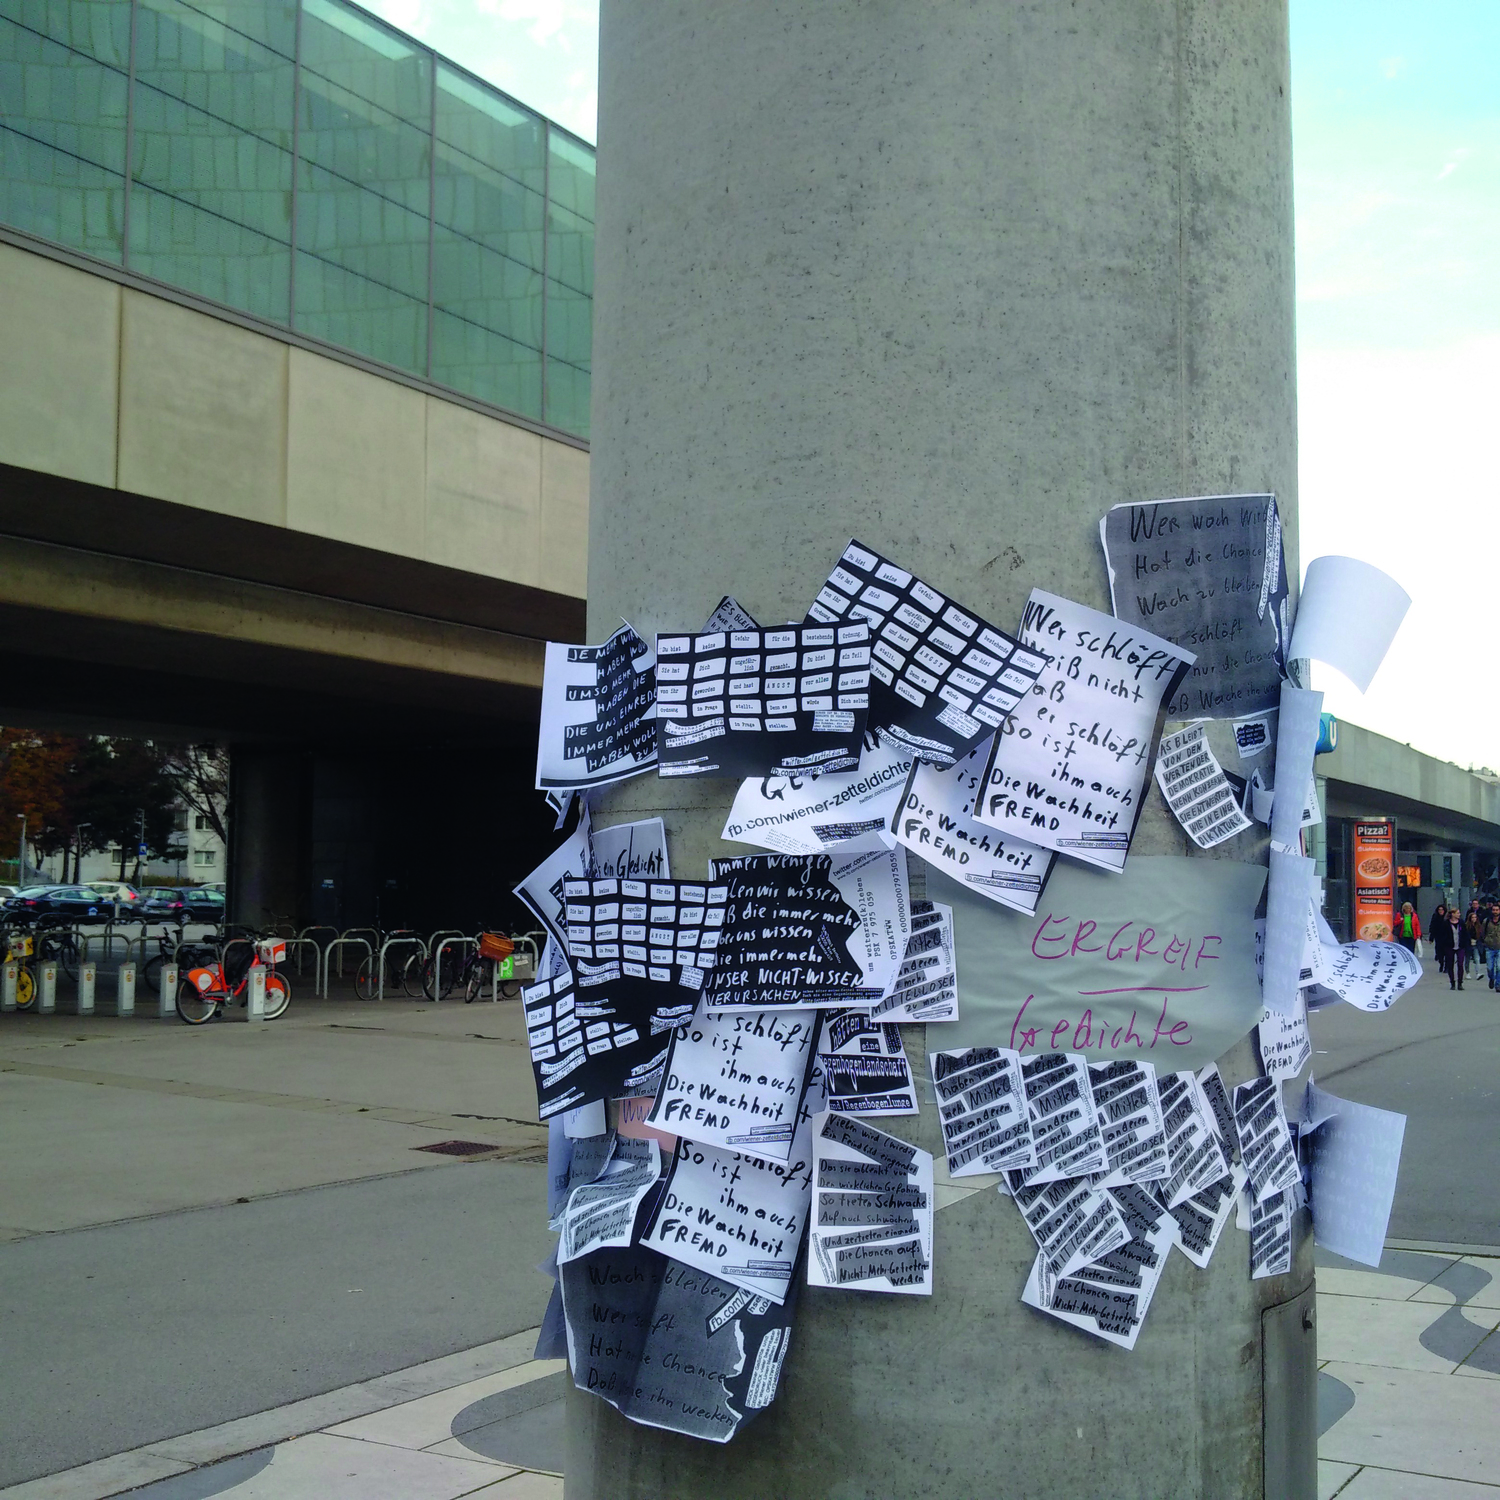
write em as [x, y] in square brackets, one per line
[484, 131]
[360, 312]
[570, 182]
[570, 250]
[62, 125]
[488, 366]
[567, 398]
[174, 241]
[213, 134]
[570, 335]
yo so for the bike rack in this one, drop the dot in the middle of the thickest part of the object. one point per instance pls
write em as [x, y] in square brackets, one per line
[328, 957]
[302, 937]
[400, 940]
[437, 959]
[305, 942]
[357, 932]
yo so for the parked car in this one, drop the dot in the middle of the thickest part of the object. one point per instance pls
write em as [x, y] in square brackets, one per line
[7, 890]
[77, 901]
[183, 904]
[117, 890]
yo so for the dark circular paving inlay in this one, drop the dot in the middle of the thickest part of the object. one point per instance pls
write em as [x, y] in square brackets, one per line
[521, 1426]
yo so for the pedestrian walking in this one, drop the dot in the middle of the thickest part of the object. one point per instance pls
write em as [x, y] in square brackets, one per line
[1408, 927]
[1461, 951]
[1446, 935]
[1492, 942]
[1474, 926]
[1439, 921]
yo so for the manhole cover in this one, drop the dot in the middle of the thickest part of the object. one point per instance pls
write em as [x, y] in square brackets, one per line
[458, 1148]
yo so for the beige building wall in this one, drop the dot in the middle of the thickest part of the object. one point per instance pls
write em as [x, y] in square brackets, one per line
[115, 387]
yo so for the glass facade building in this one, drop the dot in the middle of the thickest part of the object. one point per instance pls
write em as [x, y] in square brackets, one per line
[303, 163]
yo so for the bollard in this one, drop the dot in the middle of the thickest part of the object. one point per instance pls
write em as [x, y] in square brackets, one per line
[167, 997]
[255, 995]
[125, 993]
[46, 990]
[8, 987]
[87, 974]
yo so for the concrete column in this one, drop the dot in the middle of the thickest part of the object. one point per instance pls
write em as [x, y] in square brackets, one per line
[954, 279]
[268, 827]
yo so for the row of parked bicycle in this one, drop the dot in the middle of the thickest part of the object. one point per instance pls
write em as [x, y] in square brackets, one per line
[218, 968]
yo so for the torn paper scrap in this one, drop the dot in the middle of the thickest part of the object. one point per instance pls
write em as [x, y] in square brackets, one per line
[864, 1065]
[598, 713]
[759, 702]
[671, 1346]
[1347, 617]
[799, 814]
[1271, 1235]
[629, 851]
[944, 679]
[1265, 1142]
[788, 936]
[872, 1210]
[926, 987]
[1207, 573]
[1356, 1154]
[737, 1079]
[981, 1099]
[935, 819]
[1196, 789]
[729, 614]
[871, 877]
[1069, 770]
[738, 1217]
[602, 1213]
[1130, 1121]
[1255, 735]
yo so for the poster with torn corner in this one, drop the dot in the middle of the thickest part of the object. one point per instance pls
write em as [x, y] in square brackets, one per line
[1265, 1141]
[926, 987]
[1069, 769]
[871, 877]
[981, 1101]
[1196, 1157]
[1283, 1043]
[735, 1216]
[1196, 789]
[1347, 616]
[935, 819]
[1110, 1296]
[598, 713]
[872, 1210]
[602, 1212]
[808, 814]
[1356, 1155]
[542, 890]
[864, 1065]
[1130, 1121]
[788, 936]
[1157, 962]
[628, 851]
[1071, 1220]
[736, 1079]
[944, 679]
[1200, 1220]
[683, 1350]
[1209, 574]
[1271, 1234]
[759, 702]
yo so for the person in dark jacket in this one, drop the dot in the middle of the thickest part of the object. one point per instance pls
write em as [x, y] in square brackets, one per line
[1474, 926]
[1492, 942]
[1449, 941]
[1435, 926]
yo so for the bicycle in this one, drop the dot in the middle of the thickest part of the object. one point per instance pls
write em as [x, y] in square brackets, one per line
[57, 941]
[19, 948]
[203, 992]
[492, 960]
[404, 973]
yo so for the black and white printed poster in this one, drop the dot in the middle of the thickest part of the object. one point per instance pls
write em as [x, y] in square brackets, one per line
[1130, 1120]
[598, 713]
[736, 1079]
[981, 1099]
[786, 939]
[1064, 1124]
[1265, 1141]
[659, 932]
[1208, 574]
[864, 1066]
[935, 819]
[926, 987]
[762, 702]
[944, 678]
[1069, 770]
[672, 1346]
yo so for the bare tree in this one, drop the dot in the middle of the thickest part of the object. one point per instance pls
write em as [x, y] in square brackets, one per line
[200, 776]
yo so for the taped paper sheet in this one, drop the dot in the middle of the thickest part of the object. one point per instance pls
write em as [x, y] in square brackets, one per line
[1356, 1154]
[754, 703]
[944, 679]
[1195, 1153]
[598, 713]
[1265, 1141]
[1196, 789]
[1347, 617]
[1069, 770]
[1201, 1219]
[1130, 1120]
[935, 819]
[1072, 1221]
[872, 1210]
[629, 851]
[926, 987]
[1255, 735]
[1064, 1125]
[807, 814]
[1207, 573]
[1370, 976]
[871, 877]
[602, 1213]
[981, 1099]
[1283, 1042]
[1298, 726]
[1271, 1235]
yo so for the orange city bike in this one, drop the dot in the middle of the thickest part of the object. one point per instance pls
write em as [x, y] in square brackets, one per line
[202, 993]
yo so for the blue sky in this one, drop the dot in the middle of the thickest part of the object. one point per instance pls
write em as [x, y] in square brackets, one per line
[1396, 124]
